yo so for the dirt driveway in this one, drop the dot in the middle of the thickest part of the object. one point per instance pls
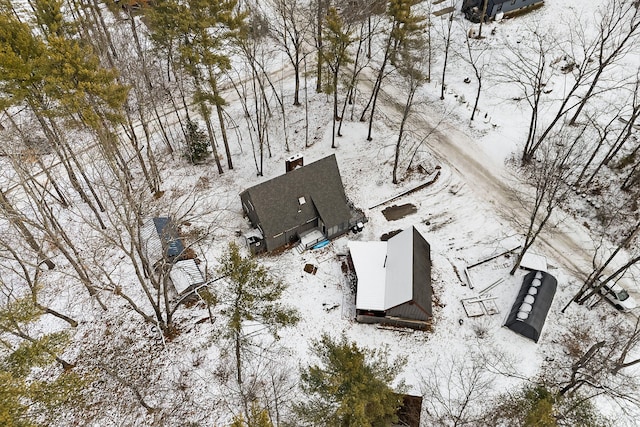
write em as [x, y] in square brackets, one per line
[491, 181]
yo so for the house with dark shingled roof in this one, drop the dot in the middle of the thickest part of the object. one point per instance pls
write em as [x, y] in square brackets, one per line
[472, 9]
[307, 199]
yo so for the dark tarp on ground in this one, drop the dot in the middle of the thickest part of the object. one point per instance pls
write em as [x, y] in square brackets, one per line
[531, 327]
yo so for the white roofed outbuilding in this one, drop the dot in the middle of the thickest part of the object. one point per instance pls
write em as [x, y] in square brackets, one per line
[393, 280]
[186, 275]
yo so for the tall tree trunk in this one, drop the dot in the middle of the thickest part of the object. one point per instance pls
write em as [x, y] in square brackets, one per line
[574, 382]
[632, 178]
[238, 358]
[152, 182]
[15, 218]
[54, 182]
[319, 17]
[204, 111]
[56, 233]
[604, 62]
[405, 116]
[71, 154]
[475, 104]
[602, 138]
[446, 55]
[223, 130]
[335, 106]
[285, 130]
[179, 85]
[296, 72]
[59, 147]
[147, 78]
[483, 16]
[376, 88]
[352, 84]
[377, 84]
[104, 32]
[306, 107]
[624, 135]
[33, 287]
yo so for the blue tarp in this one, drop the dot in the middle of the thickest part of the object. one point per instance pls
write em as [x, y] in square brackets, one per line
[171, 244]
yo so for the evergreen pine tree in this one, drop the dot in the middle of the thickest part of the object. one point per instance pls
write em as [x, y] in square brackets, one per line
[26, 399]
[351, 387]
[199, 31]
[257, 418]
[251, 294]
[197, 143]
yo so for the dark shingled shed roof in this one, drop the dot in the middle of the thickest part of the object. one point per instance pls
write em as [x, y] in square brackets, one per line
[420, 254]
[277, 201]
[421, 272]
[531, 325]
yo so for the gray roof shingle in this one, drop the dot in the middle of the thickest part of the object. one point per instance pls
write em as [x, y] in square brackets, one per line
[277, 205]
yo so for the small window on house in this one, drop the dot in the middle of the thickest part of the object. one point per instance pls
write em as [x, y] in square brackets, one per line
[301, 200]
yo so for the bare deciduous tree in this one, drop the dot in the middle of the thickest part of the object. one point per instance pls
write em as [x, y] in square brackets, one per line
[595, 362]
[605, 257]
[454, 389]
[446, 26]
[338, 37]
[549, 176]
[618, 24]
[290, 31]
[410, 65]
[477, 55]
[528, 68]
[22, 267]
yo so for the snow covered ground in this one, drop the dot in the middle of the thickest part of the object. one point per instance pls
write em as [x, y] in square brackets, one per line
[467, 215]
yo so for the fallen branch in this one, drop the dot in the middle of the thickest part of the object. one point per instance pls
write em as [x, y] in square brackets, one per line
[494, 257]
[419, 187]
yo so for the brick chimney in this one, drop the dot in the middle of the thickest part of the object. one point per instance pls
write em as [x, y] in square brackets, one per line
[294, 162]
